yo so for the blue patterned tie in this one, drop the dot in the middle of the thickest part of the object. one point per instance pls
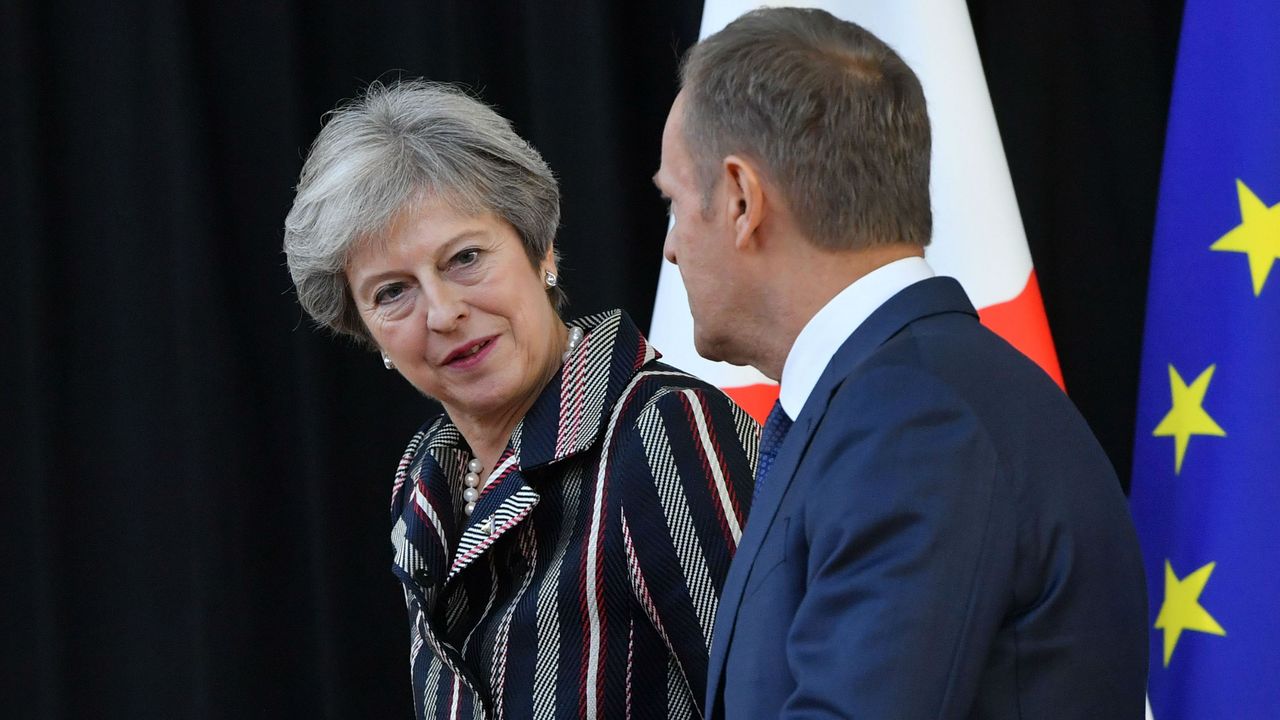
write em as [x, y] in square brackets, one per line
[775, 430]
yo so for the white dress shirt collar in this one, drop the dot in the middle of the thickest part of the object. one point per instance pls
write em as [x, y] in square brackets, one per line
[827, 330]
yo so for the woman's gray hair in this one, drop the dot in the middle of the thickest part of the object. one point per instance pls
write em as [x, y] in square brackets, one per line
[387, 149]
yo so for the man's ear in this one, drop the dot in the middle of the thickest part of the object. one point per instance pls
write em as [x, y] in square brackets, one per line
[745, 200]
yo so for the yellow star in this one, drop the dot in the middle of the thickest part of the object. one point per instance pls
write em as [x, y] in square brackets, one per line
[1257, 235]
[1182, 610]
[1187, 417]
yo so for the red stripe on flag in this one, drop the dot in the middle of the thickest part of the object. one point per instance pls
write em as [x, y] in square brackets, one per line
[1022, 322]
[757, 400]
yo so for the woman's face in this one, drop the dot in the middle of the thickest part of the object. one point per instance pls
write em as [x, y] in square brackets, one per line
[454, 302]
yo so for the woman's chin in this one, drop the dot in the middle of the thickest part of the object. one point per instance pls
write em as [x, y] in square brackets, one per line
[482, 399]
[499, 386]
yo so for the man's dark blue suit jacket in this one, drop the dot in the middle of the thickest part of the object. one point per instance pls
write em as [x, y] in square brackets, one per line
[940, 537]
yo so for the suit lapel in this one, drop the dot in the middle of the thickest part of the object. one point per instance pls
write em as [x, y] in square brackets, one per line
[764, 507]
[920, 300]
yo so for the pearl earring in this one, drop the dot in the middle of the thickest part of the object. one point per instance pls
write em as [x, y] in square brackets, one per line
[386, 362]
[551, 279]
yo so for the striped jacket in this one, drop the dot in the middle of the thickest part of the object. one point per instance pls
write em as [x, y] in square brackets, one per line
[585, 583]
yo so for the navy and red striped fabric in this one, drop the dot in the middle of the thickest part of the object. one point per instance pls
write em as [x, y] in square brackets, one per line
[585, 583]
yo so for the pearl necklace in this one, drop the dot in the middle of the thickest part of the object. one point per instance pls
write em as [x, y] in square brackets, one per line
[471, 493]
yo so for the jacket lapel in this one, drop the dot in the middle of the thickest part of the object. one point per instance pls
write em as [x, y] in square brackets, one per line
[920, 300]
[565, 420]
[496, 513]
[423, 509]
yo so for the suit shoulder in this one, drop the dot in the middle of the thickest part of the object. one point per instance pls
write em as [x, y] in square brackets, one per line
[937, 370]
[954, 346]
[886, 394]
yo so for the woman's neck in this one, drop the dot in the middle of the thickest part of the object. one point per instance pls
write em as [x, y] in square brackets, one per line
[488, 441]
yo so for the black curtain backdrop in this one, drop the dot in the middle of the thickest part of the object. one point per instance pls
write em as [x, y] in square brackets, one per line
[196, 482]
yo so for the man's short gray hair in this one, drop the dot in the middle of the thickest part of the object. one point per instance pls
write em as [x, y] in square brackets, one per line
[386, 150]
[834, 116]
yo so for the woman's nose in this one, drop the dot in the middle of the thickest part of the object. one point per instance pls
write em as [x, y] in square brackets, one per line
[444, 307]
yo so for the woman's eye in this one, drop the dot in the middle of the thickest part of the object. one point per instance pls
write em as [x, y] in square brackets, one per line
[466, 257]
[388, 294]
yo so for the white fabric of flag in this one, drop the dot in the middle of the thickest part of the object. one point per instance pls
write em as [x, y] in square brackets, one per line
[978, 236]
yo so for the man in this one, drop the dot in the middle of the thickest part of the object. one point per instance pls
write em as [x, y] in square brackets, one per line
[939, 534]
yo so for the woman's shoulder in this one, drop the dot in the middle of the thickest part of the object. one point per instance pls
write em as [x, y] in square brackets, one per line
[433, 432]
[653, 380]
[683, 430]
[663, 383]
[667, 397]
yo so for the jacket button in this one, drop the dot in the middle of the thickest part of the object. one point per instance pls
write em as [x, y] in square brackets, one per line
[421, 576]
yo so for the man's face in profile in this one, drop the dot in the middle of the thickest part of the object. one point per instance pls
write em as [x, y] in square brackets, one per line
[700, 242]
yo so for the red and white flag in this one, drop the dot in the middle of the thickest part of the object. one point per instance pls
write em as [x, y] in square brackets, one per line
[977, 232]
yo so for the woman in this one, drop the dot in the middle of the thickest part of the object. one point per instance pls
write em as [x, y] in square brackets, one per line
[563, 530]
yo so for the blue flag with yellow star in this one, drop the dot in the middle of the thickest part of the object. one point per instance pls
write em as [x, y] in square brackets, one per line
[1206, 476]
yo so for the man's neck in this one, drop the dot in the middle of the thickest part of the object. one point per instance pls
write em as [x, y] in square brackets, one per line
[803, 282]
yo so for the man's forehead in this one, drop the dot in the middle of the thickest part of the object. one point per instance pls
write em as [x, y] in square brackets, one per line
[675, 116]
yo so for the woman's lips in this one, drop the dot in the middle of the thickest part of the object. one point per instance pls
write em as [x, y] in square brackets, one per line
[473, 354]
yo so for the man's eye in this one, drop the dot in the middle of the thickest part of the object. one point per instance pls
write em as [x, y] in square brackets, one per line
[388, 294]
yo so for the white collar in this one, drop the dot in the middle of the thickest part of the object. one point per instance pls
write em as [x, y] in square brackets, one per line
[827, 330]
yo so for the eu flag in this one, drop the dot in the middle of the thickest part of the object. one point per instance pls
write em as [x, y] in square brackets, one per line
[1206, 476]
